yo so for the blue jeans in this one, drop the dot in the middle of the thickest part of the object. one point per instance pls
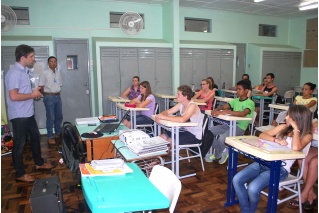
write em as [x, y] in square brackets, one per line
[184, 137]
[219, 143]
[21, 128]
[53, 106]
[259, 175]
[141, 119]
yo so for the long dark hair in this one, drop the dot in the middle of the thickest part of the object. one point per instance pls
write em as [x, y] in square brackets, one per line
[147, 86]
[302, 116]
[212, 83]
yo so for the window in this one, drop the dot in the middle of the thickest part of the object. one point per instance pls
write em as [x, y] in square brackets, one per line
[197, 25]
[115, 18]
[267, 30]
[22, 15]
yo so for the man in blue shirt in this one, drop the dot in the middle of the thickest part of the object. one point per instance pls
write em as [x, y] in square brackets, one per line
[19, 96]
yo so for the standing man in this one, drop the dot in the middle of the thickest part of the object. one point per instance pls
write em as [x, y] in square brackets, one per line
[20, 97]
[51, 83]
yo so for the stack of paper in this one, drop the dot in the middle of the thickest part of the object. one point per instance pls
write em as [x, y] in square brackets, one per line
[148, 146]
[90, 120]
[108, 164]
[87, 170]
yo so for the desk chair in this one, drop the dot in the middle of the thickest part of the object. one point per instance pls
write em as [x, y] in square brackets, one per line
[191, 147]
[251, 125]
[290, 182]
[289, 95]
[280, 119]
[151, 126]
[167, 183]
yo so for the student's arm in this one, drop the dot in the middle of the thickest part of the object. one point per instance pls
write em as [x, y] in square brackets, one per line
[297, 142]
[14, 95]
[274, 90]
[144, 103]
[311, 103]
[270, 135]
[236, 113]
[197, 95]
[126, 92]
[205, 100]
[135, 100]
[181, 119]
[220, 110]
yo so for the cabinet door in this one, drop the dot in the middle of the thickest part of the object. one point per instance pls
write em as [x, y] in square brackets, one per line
[163, 76]
[110, 68]
[199, 67]
[146, 64]
[227, 59]
[128, 66]
[213, 65]
[186, 67]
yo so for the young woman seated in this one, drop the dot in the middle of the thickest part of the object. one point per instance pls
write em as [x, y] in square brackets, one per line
[296, 133]
[205, 95]
[145, 100]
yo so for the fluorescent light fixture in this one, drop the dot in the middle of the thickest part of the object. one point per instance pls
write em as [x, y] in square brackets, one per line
[308, 6]
[258, 0]
[306, 2]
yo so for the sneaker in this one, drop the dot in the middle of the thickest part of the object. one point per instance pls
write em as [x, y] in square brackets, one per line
[224, 157]
[208, 160]
[51, 141]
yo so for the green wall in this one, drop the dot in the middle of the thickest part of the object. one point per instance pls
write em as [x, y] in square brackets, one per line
[164, 27]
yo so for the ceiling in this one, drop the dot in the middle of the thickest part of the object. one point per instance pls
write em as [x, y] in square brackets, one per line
[278, 8]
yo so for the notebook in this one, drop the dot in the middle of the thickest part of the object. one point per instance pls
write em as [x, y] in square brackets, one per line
[109, 128]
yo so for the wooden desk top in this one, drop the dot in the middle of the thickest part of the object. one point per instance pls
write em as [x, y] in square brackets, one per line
[238, 144]
[223, 99]
[118, 99]
[279, 106]
[160, 95]
[173, 124]
[228, 117]
[121, 106]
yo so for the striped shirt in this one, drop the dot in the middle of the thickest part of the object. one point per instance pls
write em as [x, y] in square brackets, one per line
[17, 78]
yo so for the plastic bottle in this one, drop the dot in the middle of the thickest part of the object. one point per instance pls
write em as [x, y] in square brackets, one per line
[223, 87]
[193, 87]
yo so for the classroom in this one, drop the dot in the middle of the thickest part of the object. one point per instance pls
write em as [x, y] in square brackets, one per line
[181, 42]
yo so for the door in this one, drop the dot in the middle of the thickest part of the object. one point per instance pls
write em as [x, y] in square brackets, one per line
[73, 62]
[240, 60]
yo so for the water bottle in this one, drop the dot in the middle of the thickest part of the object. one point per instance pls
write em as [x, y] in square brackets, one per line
[193, 87]
[223, 87]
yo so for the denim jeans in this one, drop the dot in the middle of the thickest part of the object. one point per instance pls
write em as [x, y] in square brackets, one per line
[53, 107]
[222, 131]
[21, 128]
[142, 119]
[259, 175]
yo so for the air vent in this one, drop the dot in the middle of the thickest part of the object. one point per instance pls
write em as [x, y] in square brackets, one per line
[22, 15]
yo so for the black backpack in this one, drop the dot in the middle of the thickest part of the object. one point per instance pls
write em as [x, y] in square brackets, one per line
[72, 149]
[207, 140]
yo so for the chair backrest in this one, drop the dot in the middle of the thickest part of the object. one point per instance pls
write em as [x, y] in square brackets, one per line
[304, 150]
[155, 109]
[289, 95]
[167, 183]
[281, 117]
[252, 122]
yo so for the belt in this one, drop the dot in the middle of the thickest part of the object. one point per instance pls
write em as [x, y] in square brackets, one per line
[51, 93]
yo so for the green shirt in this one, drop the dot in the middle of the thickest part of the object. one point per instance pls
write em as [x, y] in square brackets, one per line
[239, 106]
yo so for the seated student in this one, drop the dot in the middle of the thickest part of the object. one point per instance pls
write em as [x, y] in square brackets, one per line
[296, 134]
[269, 90]
[145, 100]
[134, 90]
[188, 111]
[205, 95]
[245, 76]
[310, 177]
[242, 107]
[213, 85]
[305, 99]
[262, 85]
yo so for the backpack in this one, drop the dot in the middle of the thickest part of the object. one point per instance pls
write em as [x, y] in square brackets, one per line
[207, 140]
[70, 147]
